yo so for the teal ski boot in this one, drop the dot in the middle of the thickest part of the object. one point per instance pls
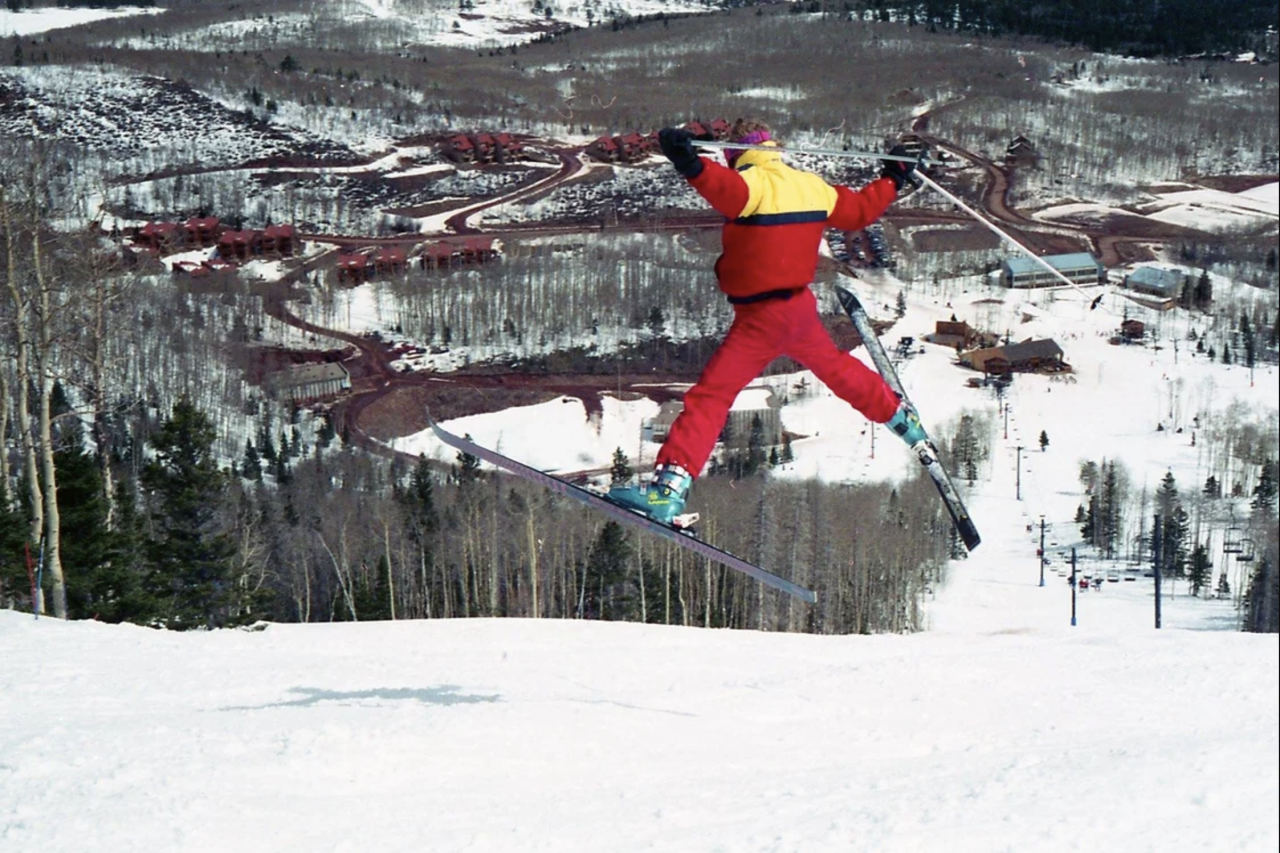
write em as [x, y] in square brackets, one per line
[661, 499]
[905, 424]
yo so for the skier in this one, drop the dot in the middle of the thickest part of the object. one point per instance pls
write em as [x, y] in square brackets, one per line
[776, 215]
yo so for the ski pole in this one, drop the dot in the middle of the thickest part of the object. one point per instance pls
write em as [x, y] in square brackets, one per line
[933, 185]
[917, 175]
[822, 152]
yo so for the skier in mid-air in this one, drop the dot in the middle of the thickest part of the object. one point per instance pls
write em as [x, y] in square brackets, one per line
[776, 215]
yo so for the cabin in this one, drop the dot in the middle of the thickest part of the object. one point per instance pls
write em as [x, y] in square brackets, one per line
[954, 334]
[1020, 152]
[1029, 356]
[1078, 267]
[1133, 330]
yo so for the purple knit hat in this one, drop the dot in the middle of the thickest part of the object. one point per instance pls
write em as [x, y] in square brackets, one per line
[756, 137]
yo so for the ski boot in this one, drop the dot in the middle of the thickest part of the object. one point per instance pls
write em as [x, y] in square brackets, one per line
[905, 424]
[661, 499]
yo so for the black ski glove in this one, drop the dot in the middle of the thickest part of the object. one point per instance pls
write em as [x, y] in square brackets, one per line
[901, 171]
[677, 146]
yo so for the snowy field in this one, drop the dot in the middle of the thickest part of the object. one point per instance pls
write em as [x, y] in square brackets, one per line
[32, 21]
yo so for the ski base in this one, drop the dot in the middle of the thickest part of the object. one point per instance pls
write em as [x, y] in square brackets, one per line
[680, 536]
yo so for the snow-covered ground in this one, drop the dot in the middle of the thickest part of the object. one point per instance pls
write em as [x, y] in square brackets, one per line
[31, 21]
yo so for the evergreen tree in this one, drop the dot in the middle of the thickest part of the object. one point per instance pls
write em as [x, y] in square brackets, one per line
[787, 455]
[608, 593]
[1212, 488]
[1262, 602]
[1044, 440]
[190, 552]
[1200, 569]
[1264, 493]
[1204, 291]
[901, 309]
[14, 582]
[250, 463]
[620, 472]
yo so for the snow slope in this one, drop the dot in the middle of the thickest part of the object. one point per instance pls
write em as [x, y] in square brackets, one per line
[1007, 730]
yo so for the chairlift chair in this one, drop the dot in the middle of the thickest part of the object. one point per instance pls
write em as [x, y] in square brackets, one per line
[1245, 554]
[1232, 542]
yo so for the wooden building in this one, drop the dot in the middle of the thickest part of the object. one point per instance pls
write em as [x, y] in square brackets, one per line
[202, 232]
[1029, 356]
[312, 381]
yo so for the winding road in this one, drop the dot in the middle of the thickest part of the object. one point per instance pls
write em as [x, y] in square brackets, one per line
[384, 403]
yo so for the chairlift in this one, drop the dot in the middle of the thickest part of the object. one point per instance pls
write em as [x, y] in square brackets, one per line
[1232, 541]
[1246, 551]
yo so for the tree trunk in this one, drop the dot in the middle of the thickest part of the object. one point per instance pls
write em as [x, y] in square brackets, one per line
[53, 526]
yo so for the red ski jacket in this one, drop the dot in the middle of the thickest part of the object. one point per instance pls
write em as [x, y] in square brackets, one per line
[776, 218]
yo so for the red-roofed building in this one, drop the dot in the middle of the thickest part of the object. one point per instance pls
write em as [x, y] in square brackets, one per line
[509, 148]
[202, 231]
[161, 236]
[436, 255]
[389, 260]
[478, 249]
[485, 145]
[278, 240]
[604, 149]
[355, 266]
[631, 147]
[239, 245]
[460, 149]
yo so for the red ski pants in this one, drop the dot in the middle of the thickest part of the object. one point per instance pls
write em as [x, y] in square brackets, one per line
[761, 332]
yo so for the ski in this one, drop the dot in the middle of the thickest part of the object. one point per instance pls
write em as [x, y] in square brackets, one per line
[620, 513]
[925, 451]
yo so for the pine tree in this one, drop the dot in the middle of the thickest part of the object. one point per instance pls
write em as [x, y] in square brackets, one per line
[608, 593]
[621, 471]
[190, 552]
[901, 309]
[787, 455]
[1200, 569]
[1212, 488]
[1044, 440]
[250, 462]
[1264, 493]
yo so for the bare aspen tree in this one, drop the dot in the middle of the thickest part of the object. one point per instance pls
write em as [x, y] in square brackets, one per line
[45, 314]
[22, 345]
